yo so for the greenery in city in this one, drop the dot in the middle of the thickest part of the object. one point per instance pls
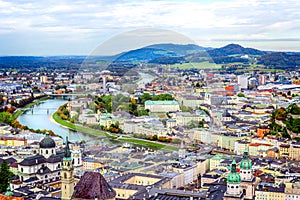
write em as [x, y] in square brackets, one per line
[108, 103]
[290, 118]
[240, 94]
[5, 176]
[160, 97]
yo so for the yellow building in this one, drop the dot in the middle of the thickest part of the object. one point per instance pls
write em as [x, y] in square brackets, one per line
[270, 193]
[214, 162]
[284, 150]
[129, 184]
[294, 152]
[91, 164]
[13, 142]
[256, 148]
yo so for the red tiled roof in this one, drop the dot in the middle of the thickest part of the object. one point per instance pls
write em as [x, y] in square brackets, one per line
[3, 197]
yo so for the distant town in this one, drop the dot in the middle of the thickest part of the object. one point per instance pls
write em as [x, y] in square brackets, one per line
[165, 121]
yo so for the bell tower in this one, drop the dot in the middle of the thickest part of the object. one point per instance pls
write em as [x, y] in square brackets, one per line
[233, 184]
[246, 167]
[248, 180]
[67, 176]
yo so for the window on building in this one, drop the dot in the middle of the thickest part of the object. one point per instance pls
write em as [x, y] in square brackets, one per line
[46, 151]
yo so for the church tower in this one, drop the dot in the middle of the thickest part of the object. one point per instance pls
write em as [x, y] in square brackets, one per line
[233, 184]
[246, 167]
[67, 176]
[248, 180]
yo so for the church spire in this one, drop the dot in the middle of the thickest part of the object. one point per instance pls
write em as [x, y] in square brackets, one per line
[67, 175]
[67, 149]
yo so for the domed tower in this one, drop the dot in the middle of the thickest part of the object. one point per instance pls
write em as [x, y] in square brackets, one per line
[47, 146]
[233, 181]
[246, 167]
[248, 180]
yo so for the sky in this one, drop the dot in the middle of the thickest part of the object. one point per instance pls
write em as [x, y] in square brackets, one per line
[78, 27]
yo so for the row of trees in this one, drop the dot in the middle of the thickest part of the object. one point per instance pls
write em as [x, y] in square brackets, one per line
[157, 138]
[63, 112]
[113, 128]
[161, 97]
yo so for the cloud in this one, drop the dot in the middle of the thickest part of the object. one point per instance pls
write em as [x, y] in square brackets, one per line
[200, 20]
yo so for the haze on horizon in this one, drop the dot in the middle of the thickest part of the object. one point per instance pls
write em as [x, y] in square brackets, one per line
[78, 27]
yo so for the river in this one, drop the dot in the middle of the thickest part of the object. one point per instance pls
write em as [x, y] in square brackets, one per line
[39, 118]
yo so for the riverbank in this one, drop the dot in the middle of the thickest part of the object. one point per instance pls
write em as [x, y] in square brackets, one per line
[75, 127]
[19, 111]
[149, 144]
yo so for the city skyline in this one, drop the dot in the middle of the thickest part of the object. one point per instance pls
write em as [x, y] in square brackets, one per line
[79, 27]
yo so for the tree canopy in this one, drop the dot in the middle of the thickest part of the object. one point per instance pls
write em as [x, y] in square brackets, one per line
[5, 176]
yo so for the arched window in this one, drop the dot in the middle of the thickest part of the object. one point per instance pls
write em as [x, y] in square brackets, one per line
[78, 161]
[22, 169]
[46, 176]
[52, 151]
[237, 186]
[65, 175]
[46, 151]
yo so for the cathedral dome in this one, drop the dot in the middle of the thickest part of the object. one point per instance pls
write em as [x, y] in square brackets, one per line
[47, 142]
[246, 163]
[233, 177]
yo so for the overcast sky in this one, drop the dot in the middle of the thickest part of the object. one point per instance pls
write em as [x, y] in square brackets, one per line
[77, 27]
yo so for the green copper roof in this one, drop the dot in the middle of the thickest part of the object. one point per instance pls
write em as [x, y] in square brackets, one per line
[246, 162]
[233, 177]
[167, 102]
[9, 193]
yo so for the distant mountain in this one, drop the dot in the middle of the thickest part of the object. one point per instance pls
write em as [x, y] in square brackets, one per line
[227, 54]
[234, 49]
[180, 49]
[144, 55]
[280, 60]
[155, 51]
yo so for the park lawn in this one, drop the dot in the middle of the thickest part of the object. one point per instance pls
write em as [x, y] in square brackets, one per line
[80, 128]
[147, 143]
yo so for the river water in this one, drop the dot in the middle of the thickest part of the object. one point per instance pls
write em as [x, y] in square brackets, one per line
[39, 118]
